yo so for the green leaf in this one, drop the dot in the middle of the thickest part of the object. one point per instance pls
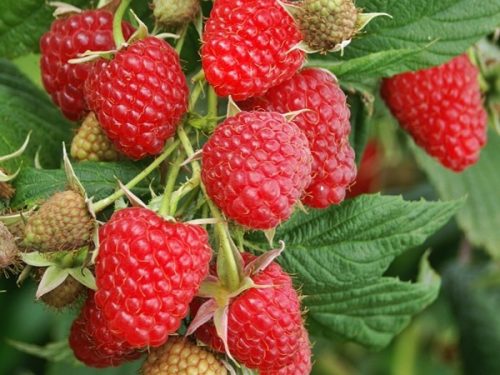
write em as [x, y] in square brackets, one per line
[369, 313]
[480, 217]
[374, 65]
[99, 179]
[476, 312]
[339, 256]
[421, 33]
[26, 108]
[22, 23]
[358, 239]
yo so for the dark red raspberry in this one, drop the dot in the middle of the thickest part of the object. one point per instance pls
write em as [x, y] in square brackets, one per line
[148, 270]
[441, 108]
[93, 342]
[301, 363]
[326, 126]
[139, 97]
[264, 324]
[91, 30]
[248, 47]
[255, 168]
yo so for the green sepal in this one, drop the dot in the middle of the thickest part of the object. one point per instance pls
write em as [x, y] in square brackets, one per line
[51, 279]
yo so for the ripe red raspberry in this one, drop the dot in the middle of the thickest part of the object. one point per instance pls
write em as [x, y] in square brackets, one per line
[148, 270]
[93, 342]
[91, 30]
[326, 126]
[256, 166]
[264, 324]
[301, 363]
[369, 178]
[248, 47]
[139, 97]
[441, 108]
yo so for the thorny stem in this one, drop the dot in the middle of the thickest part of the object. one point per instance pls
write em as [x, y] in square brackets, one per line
[103, 203]
[117, 23]
[173, 172]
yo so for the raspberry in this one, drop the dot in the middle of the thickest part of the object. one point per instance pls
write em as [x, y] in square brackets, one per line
[256, 166]
[441, 108]
[264, 324]
[369, 178]
[301, 363]
[174, 12]
[148, 271]
[63, 222]
[68, 37]
[9, 253]
[92, 341]
[326, 126]
[90, 143]
[248, 47]
[181, 357]
[327, 23]
[139, 97]
[64, 295]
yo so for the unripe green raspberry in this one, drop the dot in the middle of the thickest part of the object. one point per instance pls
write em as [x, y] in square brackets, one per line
[175, 12]
[90, 143]
[63, 222]
[64, 295]
[325, 24]
[181, 357]
[9, 253]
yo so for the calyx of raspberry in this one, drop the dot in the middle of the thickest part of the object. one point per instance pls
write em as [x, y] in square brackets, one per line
[328, 25]
[216, 308]
[59, 266]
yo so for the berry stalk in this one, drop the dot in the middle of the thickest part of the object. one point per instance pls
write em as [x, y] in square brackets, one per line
[117, 23]
[166, 208]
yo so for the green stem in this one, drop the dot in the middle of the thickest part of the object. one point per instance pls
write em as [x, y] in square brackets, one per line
[185, 188]
[195, 94]
[103, 203]
[181, 40]
[227, 266]
[187, 203]
[200, 76]
[212, 106]
[186, 144]
[117, 23]
[173, 172]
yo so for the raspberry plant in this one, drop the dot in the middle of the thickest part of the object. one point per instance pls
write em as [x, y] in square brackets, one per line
[252, 186]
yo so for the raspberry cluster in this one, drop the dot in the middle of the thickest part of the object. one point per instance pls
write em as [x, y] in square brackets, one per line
[146, 270]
